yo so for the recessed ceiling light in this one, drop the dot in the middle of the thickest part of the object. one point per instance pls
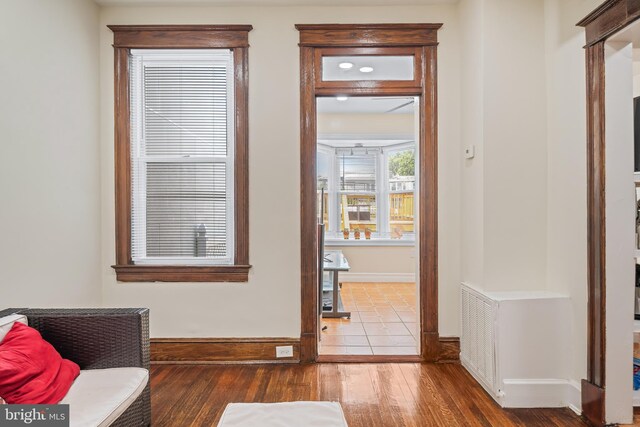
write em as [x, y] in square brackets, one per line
[342, 98]
[366, 69]
[345, 65]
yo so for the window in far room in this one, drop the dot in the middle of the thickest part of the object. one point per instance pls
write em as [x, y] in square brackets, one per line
[366, 169]
[367, 188]
[402, 181]
[357, 189]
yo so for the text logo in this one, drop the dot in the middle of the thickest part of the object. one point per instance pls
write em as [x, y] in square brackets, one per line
[34, 415]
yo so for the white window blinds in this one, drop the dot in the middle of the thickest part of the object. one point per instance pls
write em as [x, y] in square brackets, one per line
[182, 156]
[358, 172]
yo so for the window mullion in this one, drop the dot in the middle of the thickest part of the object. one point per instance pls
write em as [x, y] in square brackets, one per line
[334, 213]
[337, 214]
[383, 203]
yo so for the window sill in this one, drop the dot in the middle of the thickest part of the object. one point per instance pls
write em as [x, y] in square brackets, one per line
[182, 273]
[371, 242]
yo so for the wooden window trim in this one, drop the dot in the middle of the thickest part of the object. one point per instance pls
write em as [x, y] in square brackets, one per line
[127, 37]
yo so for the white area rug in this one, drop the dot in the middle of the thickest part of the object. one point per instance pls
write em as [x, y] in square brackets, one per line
[286, 414]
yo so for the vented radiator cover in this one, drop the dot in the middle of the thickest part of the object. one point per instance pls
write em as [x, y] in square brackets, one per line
[516, 345]
[477, 342]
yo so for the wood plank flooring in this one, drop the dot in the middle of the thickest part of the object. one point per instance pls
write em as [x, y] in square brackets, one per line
[372, 395]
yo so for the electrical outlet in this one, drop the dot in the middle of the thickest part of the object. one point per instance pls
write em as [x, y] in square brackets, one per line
[284, 351]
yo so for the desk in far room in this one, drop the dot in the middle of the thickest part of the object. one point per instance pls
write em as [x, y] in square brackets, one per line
[334, 263]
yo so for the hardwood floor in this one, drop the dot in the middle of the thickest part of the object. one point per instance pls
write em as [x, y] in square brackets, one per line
[371, 395]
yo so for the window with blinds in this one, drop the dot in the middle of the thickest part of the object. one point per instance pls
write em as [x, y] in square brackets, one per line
[358, 172]
[367, 188]
[182, 156]
[358, 198]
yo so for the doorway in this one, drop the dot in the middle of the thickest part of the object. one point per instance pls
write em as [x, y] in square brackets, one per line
[366, 184]
[362, 63]
[613, 85]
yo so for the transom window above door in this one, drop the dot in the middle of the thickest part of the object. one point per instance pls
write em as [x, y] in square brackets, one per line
[369, 67]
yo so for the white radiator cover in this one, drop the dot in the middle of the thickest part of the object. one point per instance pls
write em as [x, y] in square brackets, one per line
[516, 345]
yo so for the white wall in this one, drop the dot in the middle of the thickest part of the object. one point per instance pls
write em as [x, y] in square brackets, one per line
[379, 260]
[365, 124]
[636, 73]
[269, 304]
[524, 193]
[515, 167]
[620, 223]
[49, 154]
[504, 116]
[471, 105]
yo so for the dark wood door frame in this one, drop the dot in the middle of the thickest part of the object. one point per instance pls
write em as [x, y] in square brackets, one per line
[380, 38]
[611, 17]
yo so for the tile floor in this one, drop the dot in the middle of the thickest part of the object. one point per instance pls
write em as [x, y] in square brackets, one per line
[383, 321]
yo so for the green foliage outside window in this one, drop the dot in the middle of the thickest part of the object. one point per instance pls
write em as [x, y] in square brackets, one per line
[402, 163]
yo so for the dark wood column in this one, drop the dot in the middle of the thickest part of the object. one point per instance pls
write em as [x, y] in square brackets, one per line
[593, 386]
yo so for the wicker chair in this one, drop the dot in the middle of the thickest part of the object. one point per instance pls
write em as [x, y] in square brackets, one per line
[97, 339]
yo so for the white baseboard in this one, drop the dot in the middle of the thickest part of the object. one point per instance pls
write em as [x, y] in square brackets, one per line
[534, 393]
[378, 277]
[574, 396]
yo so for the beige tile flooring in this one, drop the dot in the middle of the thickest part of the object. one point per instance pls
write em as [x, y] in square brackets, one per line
[383, 321]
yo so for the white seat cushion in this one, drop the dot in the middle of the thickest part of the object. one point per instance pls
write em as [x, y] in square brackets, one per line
[99, 396]
[285, 414]
[6, 323]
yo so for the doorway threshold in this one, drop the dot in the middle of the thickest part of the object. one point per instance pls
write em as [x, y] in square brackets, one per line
[345, 358]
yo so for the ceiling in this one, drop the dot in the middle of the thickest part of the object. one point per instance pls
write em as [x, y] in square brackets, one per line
[273, 2]
[365, 141]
